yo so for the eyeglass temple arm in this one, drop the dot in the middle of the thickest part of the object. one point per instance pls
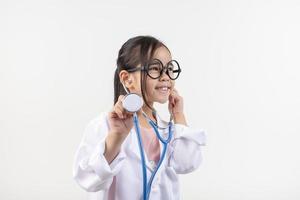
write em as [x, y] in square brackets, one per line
[136, 69]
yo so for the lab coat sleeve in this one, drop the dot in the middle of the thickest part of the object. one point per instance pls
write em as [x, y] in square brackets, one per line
[90, 169]
[185, 149]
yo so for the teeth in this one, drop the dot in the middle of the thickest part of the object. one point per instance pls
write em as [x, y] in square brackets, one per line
[163, 88]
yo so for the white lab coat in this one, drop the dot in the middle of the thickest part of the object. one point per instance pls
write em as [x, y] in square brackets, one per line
[122, 179]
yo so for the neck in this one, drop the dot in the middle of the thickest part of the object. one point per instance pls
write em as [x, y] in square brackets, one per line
[142, 119]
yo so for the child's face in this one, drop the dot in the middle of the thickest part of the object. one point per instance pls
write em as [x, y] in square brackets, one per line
[158, 90]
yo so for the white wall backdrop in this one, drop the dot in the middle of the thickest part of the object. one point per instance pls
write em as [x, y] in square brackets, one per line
[240, 82]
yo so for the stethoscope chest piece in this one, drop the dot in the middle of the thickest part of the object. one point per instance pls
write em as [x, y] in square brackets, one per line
[132, 102]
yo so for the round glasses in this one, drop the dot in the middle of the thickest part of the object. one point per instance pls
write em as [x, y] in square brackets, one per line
[155, 69]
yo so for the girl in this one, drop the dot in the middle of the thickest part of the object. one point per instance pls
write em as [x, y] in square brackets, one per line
[108, 160]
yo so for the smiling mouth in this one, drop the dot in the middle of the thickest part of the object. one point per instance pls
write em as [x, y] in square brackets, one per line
[163, 89]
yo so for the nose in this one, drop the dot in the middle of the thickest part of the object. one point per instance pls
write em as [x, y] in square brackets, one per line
[164, 76]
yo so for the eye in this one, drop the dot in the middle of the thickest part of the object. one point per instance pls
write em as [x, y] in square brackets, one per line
[154, 67]
[171, 67]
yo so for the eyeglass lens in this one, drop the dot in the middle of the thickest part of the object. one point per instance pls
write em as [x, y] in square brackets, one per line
[155, 69]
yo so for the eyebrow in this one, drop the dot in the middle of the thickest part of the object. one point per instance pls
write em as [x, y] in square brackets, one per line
[156, 59]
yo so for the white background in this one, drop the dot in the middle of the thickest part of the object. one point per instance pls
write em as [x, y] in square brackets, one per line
[240, 82]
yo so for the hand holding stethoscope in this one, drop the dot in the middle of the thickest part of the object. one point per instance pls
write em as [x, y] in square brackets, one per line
[120, 120]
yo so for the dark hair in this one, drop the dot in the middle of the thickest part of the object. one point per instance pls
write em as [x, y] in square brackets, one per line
[135, 51]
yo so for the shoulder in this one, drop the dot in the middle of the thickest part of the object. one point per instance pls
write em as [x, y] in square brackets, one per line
[97, 127]
[98, 120]
[186, 132]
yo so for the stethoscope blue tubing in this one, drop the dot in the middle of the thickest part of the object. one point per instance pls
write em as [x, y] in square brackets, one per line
[147, 186]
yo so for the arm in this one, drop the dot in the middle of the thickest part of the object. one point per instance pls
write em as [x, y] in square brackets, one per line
[91, 170]
[112, 146]
[100, 157]
[185, 149]
[179, 118]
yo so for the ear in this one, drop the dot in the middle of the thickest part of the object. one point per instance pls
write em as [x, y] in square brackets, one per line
[125, 78]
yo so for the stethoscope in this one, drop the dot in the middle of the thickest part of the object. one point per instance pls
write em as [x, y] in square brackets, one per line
[132, 103]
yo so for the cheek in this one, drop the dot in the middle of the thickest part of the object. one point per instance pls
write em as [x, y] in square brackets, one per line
[150, 87]
[172, 84]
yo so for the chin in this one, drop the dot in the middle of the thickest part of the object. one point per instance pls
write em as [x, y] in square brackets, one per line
[162, 101]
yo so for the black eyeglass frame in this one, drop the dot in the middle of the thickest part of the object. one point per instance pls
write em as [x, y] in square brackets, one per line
[163, 69]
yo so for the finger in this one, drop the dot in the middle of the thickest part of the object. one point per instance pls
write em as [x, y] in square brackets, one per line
[129, 115]
[120, 105]
[123, 111]
[111, 114]
[119, 113]
[114, 115]
[171, 98]
[175, 92]
[121, 98]
[119, 102]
